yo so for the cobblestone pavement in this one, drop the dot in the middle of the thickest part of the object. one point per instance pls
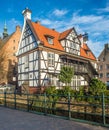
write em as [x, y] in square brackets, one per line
[18, 120]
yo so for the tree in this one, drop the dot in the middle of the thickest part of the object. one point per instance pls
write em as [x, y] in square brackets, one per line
[66, 74]
[97, 87]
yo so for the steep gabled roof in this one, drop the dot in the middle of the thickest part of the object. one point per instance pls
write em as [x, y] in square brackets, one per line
[65, 34]
[86, 52]
[41, 32]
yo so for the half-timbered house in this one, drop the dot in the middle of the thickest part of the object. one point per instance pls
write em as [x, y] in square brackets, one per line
[42, 52]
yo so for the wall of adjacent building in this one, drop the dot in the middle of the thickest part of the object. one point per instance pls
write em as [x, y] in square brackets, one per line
[8, 51]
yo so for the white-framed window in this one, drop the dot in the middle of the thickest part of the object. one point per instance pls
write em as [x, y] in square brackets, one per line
[76, 82]
[50, 59]
[87, 52]
[50, 40]
[26, 61]
[73, 45]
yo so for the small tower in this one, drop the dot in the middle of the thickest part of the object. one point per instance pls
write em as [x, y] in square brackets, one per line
[27, 14]
[5, 33]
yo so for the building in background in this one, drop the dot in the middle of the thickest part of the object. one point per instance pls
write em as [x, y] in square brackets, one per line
[8, 59]
[103, 65]
[43, 51]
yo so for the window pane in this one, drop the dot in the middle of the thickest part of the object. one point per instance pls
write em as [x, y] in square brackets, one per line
[50, 40]
[50, 59]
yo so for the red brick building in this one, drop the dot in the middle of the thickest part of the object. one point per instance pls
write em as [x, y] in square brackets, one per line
[8, 60]
[103, 65]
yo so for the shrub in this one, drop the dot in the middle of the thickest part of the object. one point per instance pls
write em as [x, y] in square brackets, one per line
[97, 87]
[79, 95]
[52, 95]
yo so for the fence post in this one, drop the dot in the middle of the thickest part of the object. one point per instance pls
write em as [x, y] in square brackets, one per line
[27, 103]
[5, 98]
[15, 100]
[69, 112]
[45, 104]
[103, 109]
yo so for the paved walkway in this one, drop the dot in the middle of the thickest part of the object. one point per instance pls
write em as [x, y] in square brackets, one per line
[19, 120]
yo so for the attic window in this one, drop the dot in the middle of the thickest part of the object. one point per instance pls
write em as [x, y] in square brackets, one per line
[50, 40]
[87, 52]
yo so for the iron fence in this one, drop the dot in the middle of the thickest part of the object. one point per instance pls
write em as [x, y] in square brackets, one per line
[90, 109]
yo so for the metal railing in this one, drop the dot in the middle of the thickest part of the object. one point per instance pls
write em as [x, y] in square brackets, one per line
[90, 109]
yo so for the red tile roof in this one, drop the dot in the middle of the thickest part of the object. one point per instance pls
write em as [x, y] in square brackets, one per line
[65, 34]
[42, 32]
[86, 52]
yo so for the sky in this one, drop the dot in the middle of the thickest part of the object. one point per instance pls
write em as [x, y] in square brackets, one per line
[91, 16]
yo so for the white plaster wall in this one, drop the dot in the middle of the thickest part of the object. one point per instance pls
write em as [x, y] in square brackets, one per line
[36, 65]
[63, 43]
[35, 55]
[31, 57]
[31, 66]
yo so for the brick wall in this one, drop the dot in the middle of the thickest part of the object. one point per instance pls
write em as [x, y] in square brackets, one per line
[8, 51]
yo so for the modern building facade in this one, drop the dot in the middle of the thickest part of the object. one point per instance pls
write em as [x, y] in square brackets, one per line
[43, 51]
[8, 59]
[103, 65]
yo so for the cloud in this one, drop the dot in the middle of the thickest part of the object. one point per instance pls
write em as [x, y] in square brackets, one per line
[12, 23]
[58, 12]
[45, 21]
[103, 10]
[85, 19]
[96, 47]
[93, 24]
[97, 27]
[50, 23]
[96, 34]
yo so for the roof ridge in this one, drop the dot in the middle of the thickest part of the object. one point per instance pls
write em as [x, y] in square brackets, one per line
[52, 29]
[65, 33]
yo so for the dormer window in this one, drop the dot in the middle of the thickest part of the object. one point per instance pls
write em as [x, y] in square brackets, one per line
[87, 52]
[50, 40]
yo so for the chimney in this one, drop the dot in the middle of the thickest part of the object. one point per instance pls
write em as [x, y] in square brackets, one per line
[38, 22]
[27, 14]
[53, 29]
[81, 39]
[106, 48]
[85, 37]
[17, 28]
